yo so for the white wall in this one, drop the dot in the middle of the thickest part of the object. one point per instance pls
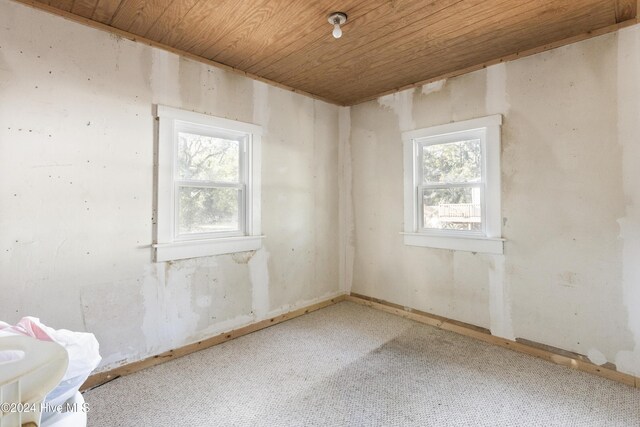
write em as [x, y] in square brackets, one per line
[76, 189]
[570, 274]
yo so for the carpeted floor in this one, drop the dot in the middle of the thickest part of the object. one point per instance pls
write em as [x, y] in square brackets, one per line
[349, 365]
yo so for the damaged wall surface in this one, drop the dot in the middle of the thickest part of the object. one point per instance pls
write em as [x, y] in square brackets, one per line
[570, 275]
[76, 191]
[76, 196]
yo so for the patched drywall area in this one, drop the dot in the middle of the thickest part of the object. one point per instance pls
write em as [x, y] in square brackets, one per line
[345, 193]
[628, 111]
[76, 191]
[570, 275]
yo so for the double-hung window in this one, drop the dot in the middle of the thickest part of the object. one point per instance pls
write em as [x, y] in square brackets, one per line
[452, 186]
[208, 185]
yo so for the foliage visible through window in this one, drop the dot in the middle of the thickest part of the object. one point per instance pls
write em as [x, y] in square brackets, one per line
[451, 184]
[209, 184]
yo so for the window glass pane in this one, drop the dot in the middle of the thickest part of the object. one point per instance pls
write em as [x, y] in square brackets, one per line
[452, 162]
[207, 210]
[457, 208]
[205, 158]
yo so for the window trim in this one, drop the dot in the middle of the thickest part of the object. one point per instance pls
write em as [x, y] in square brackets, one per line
[488, 241]
[419, 144]
[169, 245]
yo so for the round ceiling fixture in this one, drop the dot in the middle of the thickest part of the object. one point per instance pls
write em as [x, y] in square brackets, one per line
[336, 19]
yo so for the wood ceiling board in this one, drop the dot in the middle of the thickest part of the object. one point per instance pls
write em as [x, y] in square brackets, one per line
[149, 15]
[197, 23]
[473, 45]
[125, 14]
[105, 9]
[507, 58]
[473, 39]
[297, 43]
[65, 5]
[36, 4]
[387, 46]
[84, 7]
[137, 16]
[360, 31]
[390, 83]
[626, 9]
[244, 48]
[170, 19]
[295, 34]
[241, 21]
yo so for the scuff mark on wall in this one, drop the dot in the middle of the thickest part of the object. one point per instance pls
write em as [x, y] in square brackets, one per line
[402, 104]
[499, 300]
[347, 226]
[242, 257]
[433, 86]
[165, 85]
[259, 274]
[223, 326]
[182, 320]
[496, 89]
[568, 279]
[628, 119]
[153, 301]
[203, 301]
[103, 303]
[596, 356]
[5, 73]
[192, 80]
[302, 303]
[261, 104]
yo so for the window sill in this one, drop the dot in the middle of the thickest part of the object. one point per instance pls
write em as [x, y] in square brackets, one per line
[458, 243]
[199, 248]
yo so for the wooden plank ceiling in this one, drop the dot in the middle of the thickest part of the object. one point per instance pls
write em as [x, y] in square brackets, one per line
[386, 45]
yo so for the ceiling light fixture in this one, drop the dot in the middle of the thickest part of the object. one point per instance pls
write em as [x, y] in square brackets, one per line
[336, 19]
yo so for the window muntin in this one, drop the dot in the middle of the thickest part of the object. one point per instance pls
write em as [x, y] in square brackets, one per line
[451, 183]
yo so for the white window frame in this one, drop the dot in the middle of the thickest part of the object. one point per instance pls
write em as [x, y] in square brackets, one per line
[169, 244]
[489, 240]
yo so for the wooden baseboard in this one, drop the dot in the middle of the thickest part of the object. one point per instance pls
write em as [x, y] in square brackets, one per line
[104, 377]
[560, 357]
[557, 356]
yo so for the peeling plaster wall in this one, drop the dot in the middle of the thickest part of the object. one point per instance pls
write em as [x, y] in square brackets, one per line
[570, 275]
[76, 191]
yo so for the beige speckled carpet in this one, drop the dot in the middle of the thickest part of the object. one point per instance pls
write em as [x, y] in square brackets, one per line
[349, 365]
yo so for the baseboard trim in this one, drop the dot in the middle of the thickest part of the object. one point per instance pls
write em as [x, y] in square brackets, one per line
[110, 375]
[560, 357]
